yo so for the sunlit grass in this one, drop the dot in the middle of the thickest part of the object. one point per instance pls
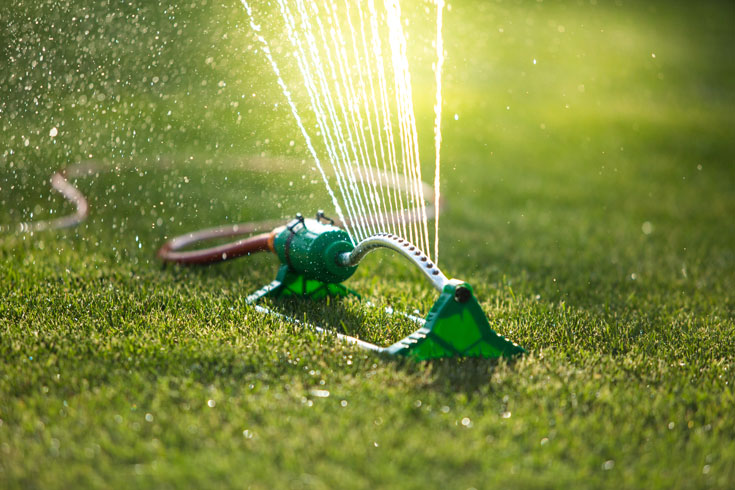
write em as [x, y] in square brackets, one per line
[590, 202]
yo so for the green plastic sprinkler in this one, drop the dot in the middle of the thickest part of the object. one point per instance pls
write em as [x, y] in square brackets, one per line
[317, 256]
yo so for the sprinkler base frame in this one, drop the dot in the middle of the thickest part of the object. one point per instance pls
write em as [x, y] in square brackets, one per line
[456, 325]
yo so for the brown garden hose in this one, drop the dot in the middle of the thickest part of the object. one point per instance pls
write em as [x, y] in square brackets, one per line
[171, 251]
[61, 184]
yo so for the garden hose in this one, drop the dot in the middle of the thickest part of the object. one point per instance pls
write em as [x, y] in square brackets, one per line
[171, 250]
[60, 183]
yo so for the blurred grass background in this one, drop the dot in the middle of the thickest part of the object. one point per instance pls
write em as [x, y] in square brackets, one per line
[588, 169]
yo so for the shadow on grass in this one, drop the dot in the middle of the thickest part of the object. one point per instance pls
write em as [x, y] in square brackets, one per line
[349, 316]
[466, 375]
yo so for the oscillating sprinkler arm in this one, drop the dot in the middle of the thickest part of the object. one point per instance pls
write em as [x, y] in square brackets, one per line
[403, 247]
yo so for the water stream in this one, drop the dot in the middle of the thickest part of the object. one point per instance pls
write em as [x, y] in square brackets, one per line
[352, 61]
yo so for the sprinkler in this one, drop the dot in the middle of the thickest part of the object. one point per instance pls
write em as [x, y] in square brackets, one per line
[317, 256]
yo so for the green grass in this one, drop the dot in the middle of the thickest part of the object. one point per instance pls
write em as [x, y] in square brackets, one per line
[116, 372]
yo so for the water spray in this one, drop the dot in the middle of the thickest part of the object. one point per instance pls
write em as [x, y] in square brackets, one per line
[317, 256]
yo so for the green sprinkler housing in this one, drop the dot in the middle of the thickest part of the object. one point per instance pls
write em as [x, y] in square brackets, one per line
[310, 247]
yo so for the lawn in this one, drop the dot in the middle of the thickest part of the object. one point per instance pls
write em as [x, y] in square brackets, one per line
[589, 171]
